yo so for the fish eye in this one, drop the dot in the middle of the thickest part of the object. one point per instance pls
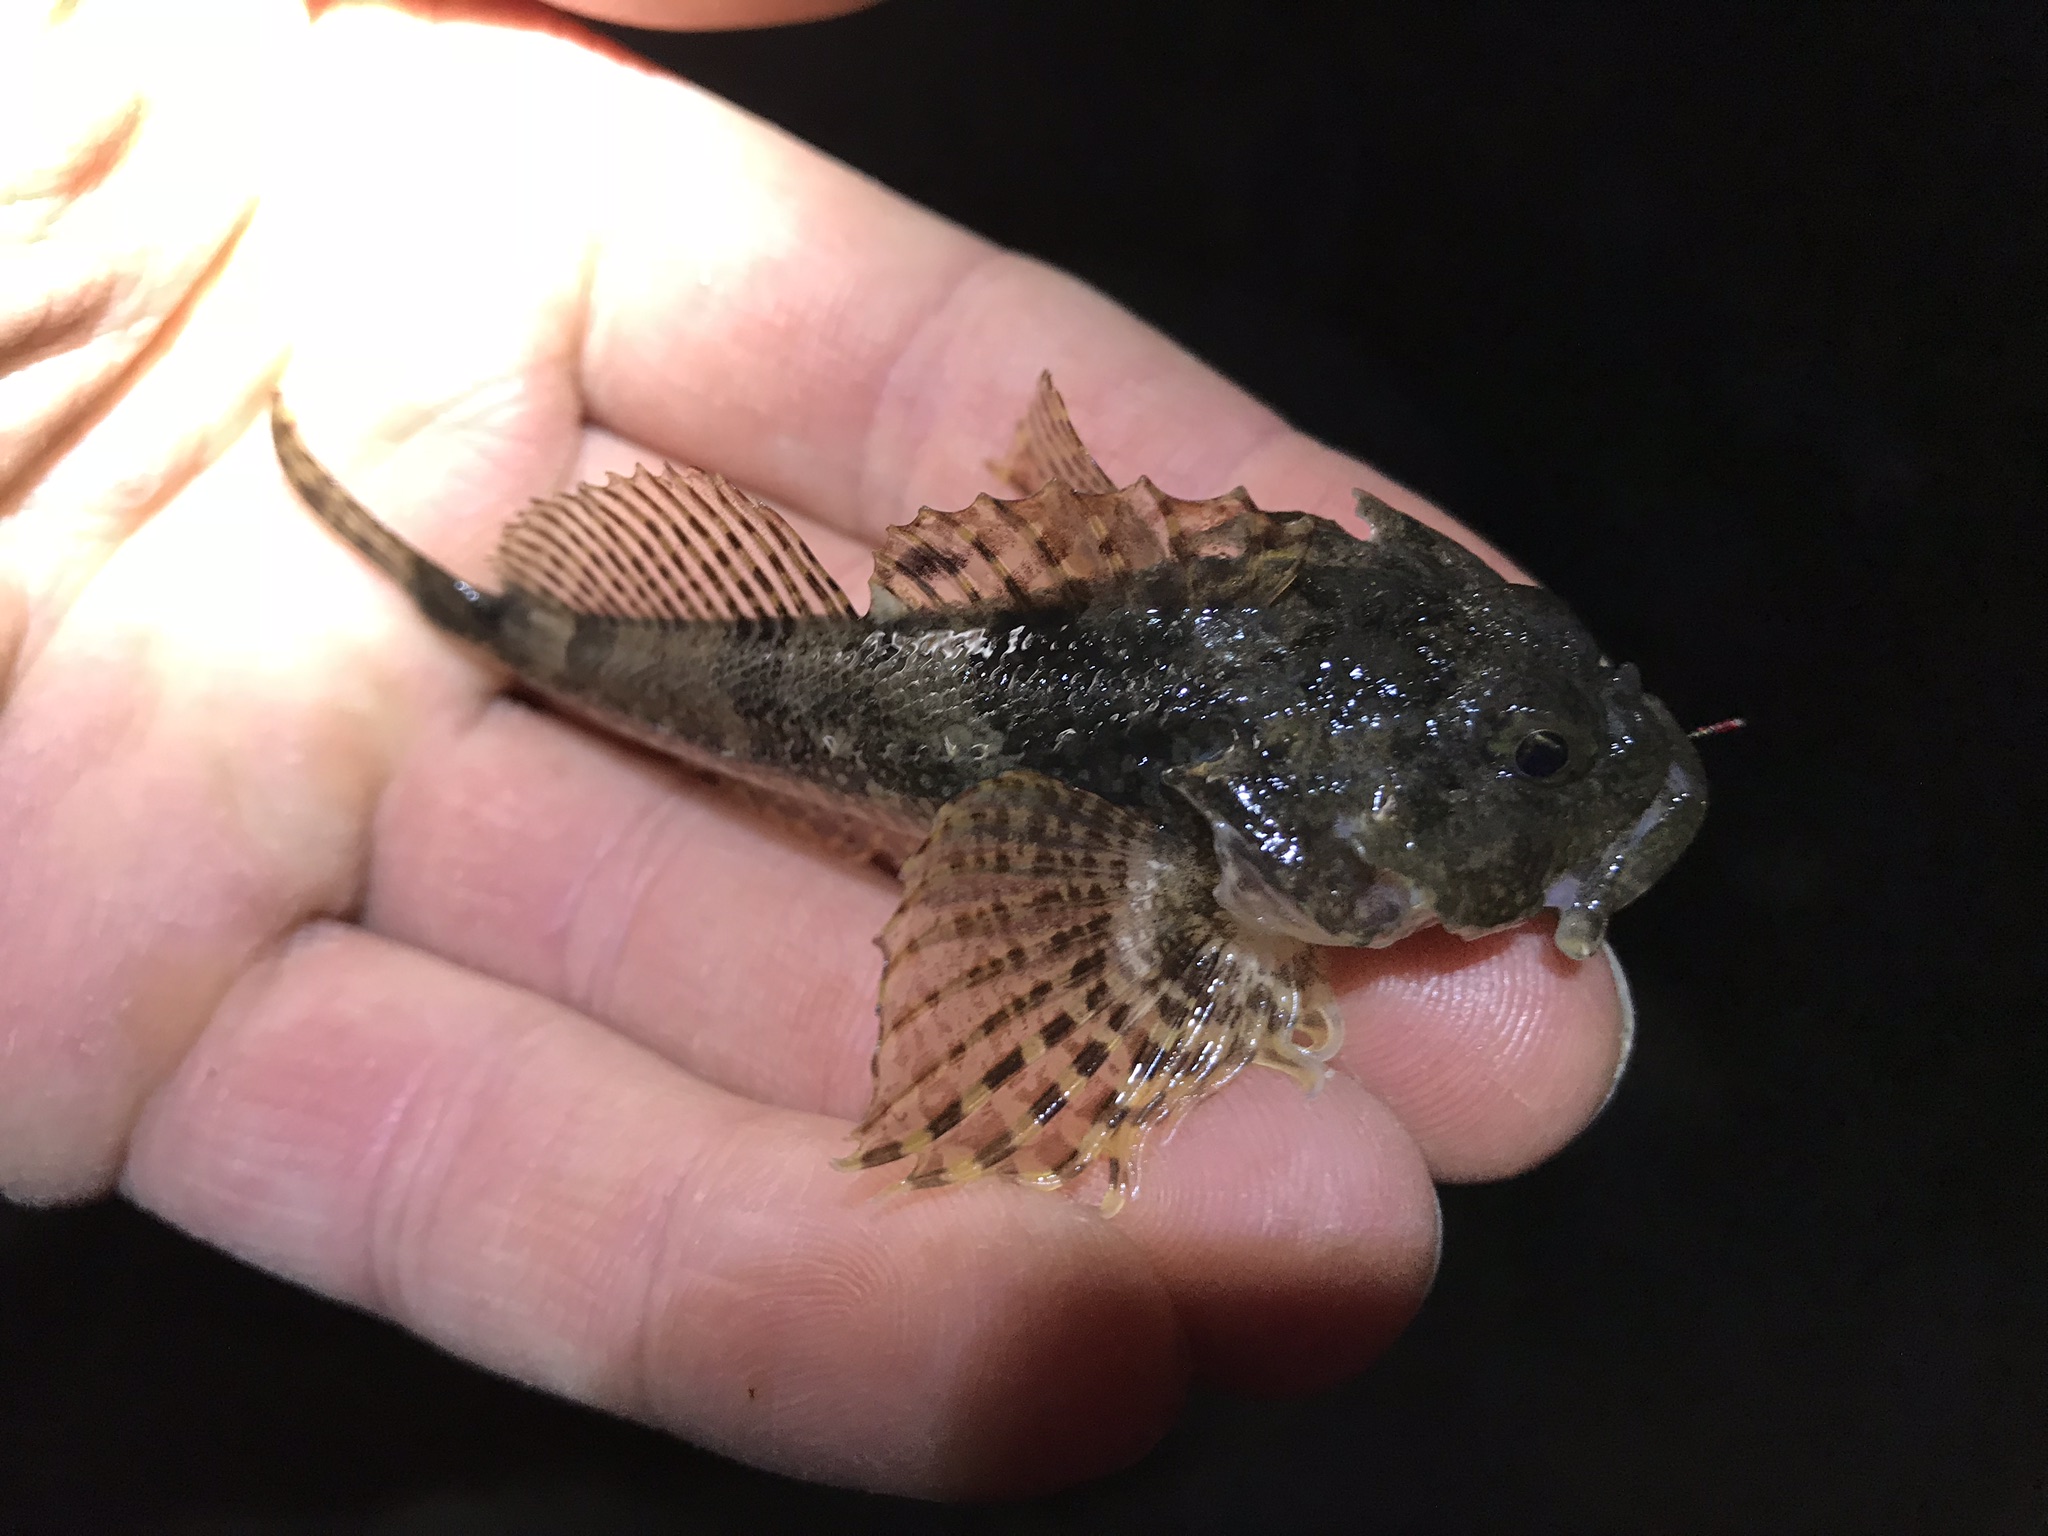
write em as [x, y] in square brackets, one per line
[1541, 755]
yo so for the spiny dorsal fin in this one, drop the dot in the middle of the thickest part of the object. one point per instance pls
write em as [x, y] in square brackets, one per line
[1058, 981]
[681, 545]
[1075, 536]
[1052, 549]
[1046, 447]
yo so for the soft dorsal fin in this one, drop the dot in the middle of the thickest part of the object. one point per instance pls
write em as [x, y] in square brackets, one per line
[681, 545]
[1046, 447]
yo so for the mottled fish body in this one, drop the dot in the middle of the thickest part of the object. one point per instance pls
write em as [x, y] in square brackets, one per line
[1135, 756]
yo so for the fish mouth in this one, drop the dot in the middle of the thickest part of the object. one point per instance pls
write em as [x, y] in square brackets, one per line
[1585, 897]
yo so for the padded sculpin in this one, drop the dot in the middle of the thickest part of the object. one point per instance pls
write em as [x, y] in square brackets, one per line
[1135, 757]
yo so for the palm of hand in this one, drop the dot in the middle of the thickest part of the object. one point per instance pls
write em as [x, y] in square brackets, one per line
[339, 960]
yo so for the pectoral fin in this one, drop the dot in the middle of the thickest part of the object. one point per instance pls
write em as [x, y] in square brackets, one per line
[1058, 981]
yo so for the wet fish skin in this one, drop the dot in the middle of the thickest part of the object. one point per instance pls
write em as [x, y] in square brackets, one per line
[1361, 721]
[1406, 674]
[1134, 756]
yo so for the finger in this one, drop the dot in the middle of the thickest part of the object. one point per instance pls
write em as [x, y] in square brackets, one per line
[188, 777]
[686, 15]
[131, 340]
[705, 285]
[1296, 1235]
[856, 355]
[523, 848]
[541, 1197]
[1494, 1053]
[527, 850]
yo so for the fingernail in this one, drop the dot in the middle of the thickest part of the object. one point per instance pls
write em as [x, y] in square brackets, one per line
[1624, 995]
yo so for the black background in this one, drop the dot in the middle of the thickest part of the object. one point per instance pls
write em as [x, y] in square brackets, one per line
[1730, 324]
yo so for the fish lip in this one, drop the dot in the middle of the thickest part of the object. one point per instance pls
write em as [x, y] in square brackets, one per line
[1585, 896]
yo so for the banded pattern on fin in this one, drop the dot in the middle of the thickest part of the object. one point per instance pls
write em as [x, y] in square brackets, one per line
[1053, 549]
[1075, 535]
[681, 545]
[1046, 447]
[1058, 981]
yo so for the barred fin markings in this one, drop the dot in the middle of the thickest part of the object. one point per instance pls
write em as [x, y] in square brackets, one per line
[1058, 981]
[1072, 538]
[681, 545]
[1046, 447]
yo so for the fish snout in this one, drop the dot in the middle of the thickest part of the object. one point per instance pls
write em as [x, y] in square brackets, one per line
[1586, 896]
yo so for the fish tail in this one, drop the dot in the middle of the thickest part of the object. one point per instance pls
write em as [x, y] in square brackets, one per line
[445, 598]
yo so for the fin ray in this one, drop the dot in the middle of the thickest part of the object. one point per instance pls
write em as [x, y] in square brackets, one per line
[1073, 536]
[1046, 447]
[682, 545]
[1058, 982]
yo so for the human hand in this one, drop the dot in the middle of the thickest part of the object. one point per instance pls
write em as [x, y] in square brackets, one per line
[320, 948]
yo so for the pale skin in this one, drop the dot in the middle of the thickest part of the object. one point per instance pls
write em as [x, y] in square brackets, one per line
[317, 945]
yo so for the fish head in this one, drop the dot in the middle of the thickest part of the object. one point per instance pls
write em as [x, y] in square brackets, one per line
[1484, 761]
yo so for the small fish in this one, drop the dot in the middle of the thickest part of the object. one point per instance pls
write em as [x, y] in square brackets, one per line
[1133, 757]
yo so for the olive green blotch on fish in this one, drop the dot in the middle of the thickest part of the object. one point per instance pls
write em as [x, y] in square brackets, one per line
[1133, 756]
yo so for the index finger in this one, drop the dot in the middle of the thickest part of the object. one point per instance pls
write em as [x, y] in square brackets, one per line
[856, 355]
[669, 267]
